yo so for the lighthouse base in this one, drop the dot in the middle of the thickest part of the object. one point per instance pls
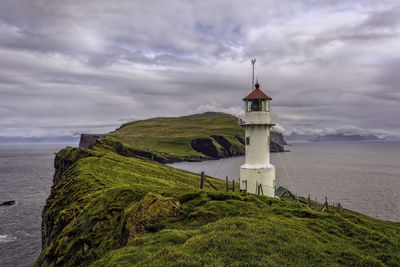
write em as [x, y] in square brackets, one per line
[251, 177]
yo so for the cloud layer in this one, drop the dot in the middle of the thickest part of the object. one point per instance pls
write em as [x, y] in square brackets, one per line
[87, 66]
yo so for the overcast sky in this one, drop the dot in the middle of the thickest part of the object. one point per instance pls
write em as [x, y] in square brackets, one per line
[68, 67]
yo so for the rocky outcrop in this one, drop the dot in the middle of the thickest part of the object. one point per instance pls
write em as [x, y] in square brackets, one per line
[276, 147]
[65, 158]
[207, 146]
[146, 214]
[8, 203]
[88, 140]
[228, 149]
[278, 138]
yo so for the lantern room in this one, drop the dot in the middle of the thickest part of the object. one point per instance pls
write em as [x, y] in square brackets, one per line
[257, 100]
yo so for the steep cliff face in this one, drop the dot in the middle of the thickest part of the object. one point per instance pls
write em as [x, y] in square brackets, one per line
[52, 222]
[217, 147]
[87, 140]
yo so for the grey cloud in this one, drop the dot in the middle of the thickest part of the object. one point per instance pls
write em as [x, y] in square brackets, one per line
[70, 66]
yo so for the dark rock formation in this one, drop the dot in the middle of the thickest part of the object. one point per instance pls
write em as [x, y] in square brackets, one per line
[278, 138]
[8, 203]
[276, 147]
[229, 149]
[206, 147]
[240, 139]
[88, 140]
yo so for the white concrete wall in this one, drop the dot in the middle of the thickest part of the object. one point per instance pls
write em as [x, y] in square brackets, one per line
[264, 176]
[257, 152]
[257, 117]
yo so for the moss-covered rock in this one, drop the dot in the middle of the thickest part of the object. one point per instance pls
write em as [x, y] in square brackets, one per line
[142, 216]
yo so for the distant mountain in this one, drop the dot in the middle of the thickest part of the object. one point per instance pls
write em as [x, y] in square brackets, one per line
[392, 138]
[47, 139]
[300, 137]
[344, 137]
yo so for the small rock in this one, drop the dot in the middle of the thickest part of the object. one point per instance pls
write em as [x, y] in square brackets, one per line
[8, 203]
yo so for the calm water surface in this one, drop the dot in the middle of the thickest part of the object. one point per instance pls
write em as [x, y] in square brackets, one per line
[26, 173]
[362, 176]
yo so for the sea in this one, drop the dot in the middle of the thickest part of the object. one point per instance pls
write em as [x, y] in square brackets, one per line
[362, 176]
[26, 176]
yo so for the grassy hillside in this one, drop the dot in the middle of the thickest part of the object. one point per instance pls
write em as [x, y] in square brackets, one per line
[109, 210]
[210, 135]
[174, 135]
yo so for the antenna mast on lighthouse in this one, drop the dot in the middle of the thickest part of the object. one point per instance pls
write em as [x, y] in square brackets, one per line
[253, 61]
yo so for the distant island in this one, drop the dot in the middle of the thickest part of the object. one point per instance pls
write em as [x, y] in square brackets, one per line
[338, 137]
[344, 137]
[211, 135]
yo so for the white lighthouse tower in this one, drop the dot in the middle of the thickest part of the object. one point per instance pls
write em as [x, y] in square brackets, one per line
[257, 175]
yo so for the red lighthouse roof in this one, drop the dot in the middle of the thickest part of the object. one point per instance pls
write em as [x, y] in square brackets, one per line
[257, 94]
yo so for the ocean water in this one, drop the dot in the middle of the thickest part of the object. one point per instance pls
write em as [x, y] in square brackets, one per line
[362, 176]
[26, 174]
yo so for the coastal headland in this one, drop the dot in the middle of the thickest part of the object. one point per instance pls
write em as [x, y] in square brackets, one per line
[113, 203]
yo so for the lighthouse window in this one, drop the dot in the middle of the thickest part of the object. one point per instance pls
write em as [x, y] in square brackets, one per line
[247, 140]
[256, 105]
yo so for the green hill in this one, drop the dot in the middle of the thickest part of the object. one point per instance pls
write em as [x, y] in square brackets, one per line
[106, 209]
[196, 137]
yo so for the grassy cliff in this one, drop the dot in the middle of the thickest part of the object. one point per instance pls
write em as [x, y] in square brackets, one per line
[106, 209]
[196, 137]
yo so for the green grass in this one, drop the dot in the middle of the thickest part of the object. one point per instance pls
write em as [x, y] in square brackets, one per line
[106, 209]
[172, 136]
[85, 217]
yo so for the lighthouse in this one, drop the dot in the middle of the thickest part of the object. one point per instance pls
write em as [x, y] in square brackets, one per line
[257, 174]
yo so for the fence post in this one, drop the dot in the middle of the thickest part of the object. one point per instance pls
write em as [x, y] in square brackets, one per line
[227, 183]
[233, 183]
[256, 187]
[327, 206]
[309, 200]
[202, 180]
[340, 208]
